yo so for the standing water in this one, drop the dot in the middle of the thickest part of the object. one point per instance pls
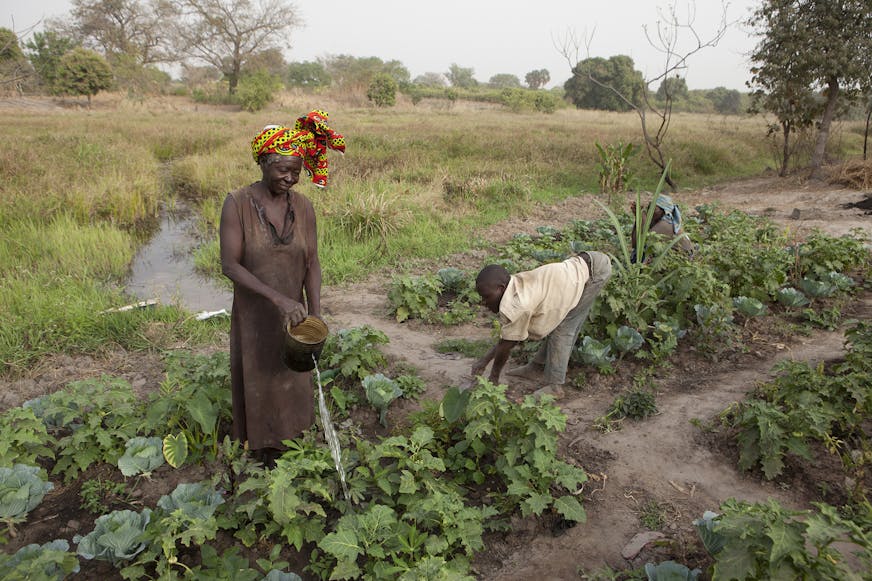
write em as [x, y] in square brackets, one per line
[330, 432]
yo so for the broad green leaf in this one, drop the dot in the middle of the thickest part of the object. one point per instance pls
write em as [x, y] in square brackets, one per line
[342, 544]
[175, 449]
[569, 507]
[204, 412]
[735, 561]
[454, 404]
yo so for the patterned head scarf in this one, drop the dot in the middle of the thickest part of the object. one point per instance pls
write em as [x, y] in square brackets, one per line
[671, 213]
[317, 136]
[276, 139]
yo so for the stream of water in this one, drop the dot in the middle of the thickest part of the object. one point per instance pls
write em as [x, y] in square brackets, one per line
[330, 432]
[163, 269]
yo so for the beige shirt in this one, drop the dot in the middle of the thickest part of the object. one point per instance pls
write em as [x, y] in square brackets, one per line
[536, 301]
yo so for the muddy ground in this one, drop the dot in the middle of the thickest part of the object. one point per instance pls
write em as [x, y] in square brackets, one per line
[673, 466]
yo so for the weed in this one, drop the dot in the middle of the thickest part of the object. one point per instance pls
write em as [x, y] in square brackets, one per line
[98, 495]
[652, 516]
[472, 348]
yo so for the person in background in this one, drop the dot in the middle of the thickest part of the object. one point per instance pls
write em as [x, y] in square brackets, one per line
[666, 220]
[269, 249]
[550, 303]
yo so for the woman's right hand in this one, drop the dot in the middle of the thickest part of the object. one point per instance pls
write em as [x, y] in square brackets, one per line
[293, 312]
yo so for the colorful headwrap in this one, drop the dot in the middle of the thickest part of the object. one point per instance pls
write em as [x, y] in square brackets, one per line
[276, 139]
[316, 136]
[671, 213]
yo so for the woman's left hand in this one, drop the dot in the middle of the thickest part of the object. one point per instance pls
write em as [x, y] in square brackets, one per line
[293, 312]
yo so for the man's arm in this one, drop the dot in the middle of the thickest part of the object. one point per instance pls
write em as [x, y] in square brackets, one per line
[499, 354]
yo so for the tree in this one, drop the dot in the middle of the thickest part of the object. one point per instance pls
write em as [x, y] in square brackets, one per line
[45, 49]
[666, 41]
[504, 81]
[382, 90]
[270, 60]
[674, 88]
[618, 85]
[227, 33]
[805, 45]
[356, 74]
[307, 74]
[537, 79]
[14, 67]
[133, 30]
[83, 72]
[461, 77]
[430, 80]
[725, 101]
[256, 89]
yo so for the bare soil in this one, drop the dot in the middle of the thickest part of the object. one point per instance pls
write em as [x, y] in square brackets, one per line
[674, 465]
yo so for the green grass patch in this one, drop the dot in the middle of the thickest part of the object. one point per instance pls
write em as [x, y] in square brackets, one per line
[474, 348]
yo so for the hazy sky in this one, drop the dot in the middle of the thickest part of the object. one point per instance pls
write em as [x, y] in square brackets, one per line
[491, 36]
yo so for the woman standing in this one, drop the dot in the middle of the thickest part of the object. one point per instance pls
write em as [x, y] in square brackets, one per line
[269, 250]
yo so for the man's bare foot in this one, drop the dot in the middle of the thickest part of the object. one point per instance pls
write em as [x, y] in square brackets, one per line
[531, 371]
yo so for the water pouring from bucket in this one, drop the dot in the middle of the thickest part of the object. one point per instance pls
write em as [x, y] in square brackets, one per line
[302, 348]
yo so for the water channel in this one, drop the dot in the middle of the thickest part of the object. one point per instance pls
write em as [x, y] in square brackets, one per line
[163, 269]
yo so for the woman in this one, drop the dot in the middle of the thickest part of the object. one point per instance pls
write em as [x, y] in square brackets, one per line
[269, 250]
[665, 220]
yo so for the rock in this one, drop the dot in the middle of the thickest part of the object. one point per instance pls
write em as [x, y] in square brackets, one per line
[797, 214]
[637, 543]
[73, 525]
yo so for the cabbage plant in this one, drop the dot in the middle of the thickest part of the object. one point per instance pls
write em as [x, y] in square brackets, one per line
[117, 536]
[596, 353]
[627, 339]
[196, 500]
[748, 306]
[21, 490]
[843, 282]
[790, 297]
[51, 561]
[380, 392]
[817, 288]
[141, 456]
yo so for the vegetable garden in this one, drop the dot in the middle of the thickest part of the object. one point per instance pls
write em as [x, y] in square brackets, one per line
[437, 474]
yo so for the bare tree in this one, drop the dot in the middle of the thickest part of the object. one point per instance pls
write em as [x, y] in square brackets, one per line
[130, 30]
[664, 38]
[227, 33]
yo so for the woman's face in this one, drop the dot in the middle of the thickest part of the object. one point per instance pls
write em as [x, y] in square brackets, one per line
[281, 175]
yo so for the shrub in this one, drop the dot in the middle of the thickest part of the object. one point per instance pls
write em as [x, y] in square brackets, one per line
[255, 91]
[382, 91]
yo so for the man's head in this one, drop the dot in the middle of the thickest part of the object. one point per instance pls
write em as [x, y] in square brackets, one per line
[491, 283]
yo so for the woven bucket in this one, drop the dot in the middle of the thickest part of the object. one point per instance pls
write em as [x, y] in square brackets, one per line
[304, 342]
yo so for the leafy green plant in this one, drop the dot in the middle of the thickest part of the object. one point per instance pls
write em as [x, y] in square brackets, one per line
[671, 571]
[175, 449]
[613, 167]
[355, 351]
[117, 537]
[817, 288]
[452, 279]
[50, 561]
[96, 494]
[107, 414]
[766, 541]
[380, 392]
[415, 297]
[193, 399]
[790, 297]
[627, 340]
[141, 456]
[23, 437]
[21, 490]
[466, 347]
[749, 307]
[820, 253]
[411, 385]
[636, 404]
[596, 354]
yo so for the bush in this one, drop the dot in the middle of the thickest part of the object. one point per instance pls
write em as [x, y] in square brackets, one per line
[256, 90]
[382, 91]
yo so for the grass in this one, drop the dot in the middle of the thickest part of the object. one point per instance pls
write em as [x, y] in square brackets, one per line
[466, 347]
[81, 189]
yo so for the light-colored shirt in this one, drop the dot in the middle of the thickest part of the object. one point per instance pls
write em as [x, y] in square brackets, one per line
[536, 301]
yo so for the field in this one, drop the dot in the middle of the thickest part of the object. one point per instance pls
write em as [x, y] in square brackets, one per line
[742, 399]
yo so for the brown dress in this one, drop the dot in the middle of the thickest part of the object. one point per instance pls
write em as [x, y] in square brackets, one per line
[271, 403]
